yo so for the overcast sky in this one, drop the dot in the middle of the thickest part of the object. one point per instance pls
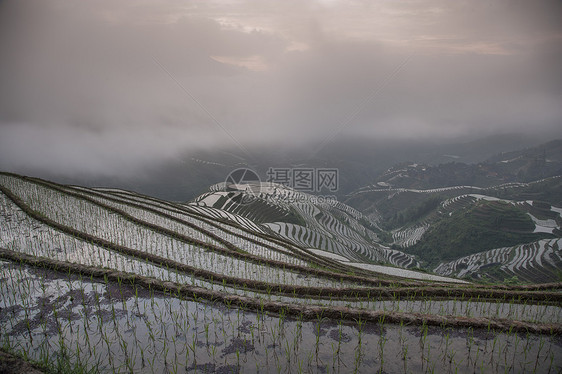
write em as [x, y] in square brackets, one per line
[107, 86]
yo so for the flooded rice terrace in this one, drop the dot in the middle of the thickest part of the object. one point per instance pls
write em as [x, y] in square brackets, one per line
[114, 327]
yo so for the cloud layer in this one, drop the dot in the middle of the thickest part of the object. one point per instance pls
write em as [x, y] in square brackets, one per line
[104, 87]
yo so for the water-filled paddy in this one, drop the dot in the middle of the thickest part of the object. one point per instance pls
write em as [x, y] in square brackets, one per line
[119, 328]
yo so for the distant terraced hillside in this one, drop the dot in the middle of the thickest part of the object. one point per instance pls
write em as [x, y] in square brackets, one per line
[536, 262]
[325, 225]
[389, 202]
[453, 224]
[410, 234]
[481, 226]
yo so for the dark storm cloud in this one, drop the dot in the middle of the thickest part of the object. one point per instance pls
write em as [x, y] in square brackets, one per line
[108, 87]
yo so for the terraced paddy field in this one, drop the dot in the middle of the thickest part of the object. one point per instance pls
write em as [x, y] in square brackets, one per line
[306, 220]
[113, 281]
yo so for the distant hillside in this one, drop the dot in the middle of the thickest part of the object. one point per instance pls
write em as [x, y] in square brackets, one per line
[525, 165]
[405, 188]
[497, 220]
[484, 226]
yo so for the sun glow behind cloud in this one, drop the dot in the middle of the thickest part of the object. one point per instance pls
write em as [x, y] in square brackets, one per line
[254, 62]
